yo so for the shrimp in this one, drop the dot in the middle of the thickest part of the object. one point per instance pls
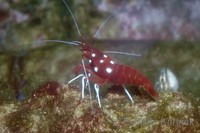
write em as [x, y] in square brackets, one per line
[105, 70]
[101, 69]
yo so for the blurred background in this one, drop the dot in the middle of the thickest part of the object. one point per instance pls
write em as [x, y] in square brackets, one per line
[165, 33]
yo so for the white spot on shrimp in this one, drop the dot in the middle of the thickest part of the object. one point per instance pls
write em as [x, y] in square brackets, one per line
[105, 56]
[93, 54]
[96, 69]
[112, 62]
[89, 74]
[108, 70]
[101, 61]
[90, 61]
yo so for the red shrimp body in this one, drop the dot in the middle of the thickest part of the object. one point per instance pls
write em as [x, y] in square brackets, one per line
[103, 67]
[130, 76]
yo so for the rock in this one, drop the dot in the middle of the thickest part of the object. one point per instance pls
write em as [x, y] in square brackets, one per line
[67, 112]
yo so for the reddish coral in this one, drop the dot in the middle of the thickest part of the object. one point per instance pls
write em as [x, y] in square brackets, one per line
[50, 88]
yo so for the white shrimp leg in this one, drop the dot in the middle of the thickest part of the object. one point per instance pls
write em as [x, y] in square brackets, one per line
[83, 83]
[96, 87]
[128, 93]
[88, 83]
[80, 75]
[83, 87]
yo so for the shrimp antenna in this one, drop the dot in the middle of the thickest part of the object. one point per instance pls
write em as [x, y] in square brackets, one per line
[59, 41]
[78, 42]
[106, 20]
[89, 88]
[97, 32]
[124, 53]
[72, 17]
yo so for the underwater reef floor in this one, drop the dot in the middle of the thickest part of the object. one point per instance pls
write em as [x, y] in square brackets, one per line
[57, 107]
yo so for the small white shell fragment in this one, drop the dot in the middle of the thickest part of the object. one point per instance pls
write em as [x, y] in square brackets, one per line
[173, 82]
[167, 81]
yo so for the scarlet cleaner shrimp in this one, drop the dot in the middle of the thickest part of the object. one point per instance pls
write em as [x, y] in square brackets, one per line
[101, 69]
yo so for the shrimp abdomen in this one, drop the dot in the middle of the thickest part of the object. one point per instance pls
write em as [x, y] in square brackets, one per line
[127, 75]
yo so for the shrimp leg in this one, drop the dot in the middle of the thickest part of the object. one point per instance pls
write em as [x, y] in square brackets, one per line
[96, 87]
[72, 80]
[126, 91]
[82, 82]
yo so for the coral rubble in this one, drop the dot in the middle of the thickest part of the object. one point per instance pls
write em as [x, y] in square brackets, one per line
[57, 107]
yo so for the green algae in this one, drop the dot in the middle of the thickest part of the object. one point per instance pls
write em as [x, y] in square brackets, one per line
[20, 121]
[43, 62]
[58, 61]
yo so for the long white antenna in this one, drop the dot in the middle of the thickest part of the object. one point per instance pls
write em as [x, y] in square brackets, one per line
[82, 59]
[124, 53]
[72, 17]
[97, 32]
[59, 41]
[106, 20]
[78, 42]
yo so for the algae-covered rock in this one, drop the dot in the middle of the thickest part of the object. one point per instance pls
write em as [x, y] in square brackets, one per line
[5, 110]
[56, 107]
